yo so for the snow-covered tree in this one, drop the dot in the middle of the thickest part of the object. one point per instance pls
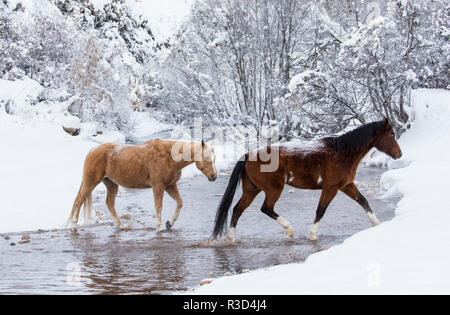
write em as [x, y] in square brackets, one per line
[234, 58]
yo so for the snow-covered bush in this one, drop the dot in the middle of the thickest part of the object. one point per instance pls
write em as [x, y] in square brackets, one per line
[103, 91]
[100, 54]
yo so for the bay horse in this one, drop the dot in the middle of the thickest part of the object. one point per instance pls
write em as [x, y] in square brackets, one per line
[155, 164]
[329, 165]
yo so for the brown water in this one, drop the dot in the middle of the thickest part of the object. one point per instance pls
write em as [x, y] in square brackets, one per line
[99, 259]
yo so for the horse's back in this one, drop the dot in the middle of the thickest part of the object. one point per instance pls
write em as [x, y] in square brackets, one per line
[299, 167]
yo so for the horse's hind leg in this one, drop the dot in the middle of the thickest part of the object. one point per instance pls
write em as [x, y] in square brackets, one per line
[158, 195]
[84, 195]
[327, 196]
[352, 191]
[173, 192]
[112, 190]
[268, 209]
[248, 195]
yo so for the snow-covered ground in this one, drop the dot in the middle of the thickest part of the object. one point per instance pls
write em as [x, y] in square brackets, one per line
[407, 255]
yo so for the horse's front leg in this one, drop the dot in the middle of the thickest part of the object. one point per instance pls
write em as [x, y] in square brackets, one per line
[158, 195]
[352, 191]
[327, 196]
[173, 192]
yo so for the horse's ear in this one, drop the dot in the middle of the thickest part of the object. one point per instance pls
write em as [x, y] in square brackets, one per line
[387, 123]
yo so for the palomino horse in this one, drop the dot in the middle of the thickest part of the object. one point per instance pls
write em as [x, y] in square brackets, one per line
[155, 164]
[329, 165]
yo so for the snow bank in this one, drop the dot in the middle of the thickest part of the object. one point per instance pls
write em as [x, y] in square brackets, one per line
[40, 174]
[408, 255]
[40, 164]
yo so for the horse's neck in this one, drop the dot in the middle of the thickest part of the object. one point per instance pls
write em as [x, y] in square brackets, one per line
[357, 157]
[193, 148]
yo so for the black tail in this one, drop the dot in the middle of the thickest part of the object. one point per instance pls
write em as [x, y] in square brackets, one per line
[227, 199]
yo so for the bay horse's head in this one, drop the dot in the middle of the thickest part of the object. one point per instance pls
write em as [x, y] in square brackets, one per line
[206, 162]
[387, 143]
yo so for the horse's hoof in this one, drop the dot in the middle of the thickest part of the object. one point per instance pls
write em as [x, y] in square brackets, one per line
[313, 237]
[124, 228]
[168, 225]
[230, 240]
[73, 227]
[290, 233]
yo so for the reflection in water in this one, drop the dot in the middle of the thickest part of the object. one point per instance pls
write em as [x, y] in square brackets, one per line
[122, 265]
[229, 259]
[143, 261]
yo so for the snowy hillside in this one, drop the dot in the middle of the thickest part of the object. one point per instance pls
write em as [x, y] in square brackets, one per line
[407, 255]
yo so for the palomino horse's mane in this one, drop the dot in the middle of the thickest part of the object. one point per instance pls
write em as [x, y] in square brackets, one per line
[354, 140]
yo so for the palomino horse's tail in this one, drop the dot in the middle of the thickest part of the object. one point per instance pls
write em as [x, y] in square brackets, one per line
[87, 209]
[227, 199]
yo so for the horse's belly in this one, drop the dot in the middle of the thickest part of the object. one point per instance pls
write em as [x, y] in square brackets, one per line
[305, 184]
[130, 176]
[130, 182]
[304, 180]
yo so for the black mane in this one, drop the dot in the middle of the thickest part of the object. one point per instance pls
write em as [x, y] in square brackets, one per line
[354, 140]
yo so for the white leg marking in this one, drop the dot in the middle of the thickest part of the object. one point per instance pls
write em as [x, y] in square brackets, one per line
[313, 232]
[159, 225]
[285, 223]
[373, 218]
[230, 235]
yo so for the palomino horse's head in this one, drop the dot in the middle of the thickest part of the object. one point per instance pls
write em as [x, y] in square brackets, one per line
[206, 162]
[386, 141]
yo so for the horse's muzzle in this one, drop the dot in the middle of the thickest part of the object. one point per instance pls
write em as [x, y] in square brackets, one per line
[212, 178]
[398, 155]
